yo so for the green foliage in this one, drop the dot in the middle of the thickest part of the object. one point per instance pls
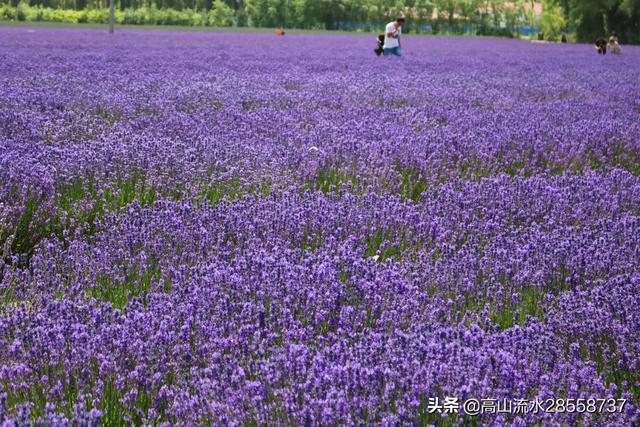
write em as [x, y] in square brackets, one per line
[413, 185]
[333, 179]
[137, 283]
[75, 383]
[29, 229]
[531, 304]
[597, 351]
[231, 189]
[590, 18]
[495, 32]
[597, 18]
[409, 183]
[36, 394]
[552, 21]
[221, 15]
[380, 245]
[77, 206]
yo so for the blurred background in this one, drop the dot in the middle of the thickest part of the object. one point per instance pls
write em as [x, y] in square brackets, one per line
[549, 20]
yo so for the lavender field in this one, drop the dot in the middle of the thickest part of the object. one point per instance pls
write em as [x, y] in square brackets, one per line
[244, 229]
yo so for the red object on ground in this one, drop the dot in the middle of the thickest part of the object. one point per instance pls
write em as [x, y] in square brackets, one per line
[280, 32]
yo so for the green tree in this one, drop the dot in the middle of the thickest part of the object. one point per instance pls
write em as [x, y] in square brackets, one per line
[515, 15]
[424, 10]
[589, 18]
[552, 21]
[221, 14]
[596, 18]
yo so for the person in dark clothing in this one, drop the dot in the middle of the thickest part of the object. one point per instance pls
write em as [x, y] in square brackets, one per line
[601, 46]
[379, 45]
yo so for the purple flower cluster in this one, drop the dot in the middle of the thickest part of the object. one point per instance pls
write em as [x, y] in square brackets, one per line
[233, 229]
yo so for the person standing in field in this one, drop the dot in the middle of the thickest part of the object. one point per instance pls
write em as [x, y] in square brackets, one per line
[601, 46]
[614, 47]
[392, 32]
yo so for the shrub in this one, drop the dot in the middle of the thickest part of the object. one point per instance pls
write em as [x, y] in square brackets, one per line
[220, 15]
[7, 13]
[21, 12]
[552, 22]
[484, 30]
[97, 16]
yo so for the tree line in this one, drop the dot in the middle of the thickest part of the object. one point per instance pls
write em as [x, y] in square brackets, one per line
[583, 19]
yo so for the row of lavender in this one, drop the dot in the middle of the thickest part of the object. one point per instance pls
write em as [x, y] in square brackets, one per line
[270, 233]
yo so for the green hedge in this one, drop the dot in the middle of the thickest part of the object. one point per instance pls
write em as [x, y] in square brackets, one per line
[140, 16]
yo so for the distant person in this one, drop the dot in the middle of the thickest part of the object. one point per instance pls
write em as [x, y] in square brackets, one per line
[614, 47]
[393, 31]
[379, 44]
[601, 46]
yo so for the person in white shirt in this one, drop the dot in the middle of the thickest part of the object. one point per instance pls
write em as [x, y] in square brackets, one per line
[614, 46]
[392, 34]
